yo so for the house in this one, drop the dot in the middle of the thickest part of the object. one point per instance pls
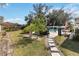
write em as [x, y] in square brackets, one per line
[1, 21]
[77, 22]
[7, 25]
[11, 26]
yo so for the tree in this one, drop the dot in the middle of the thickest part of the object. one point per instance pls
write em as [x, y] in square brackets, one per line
[58, 18]
[37, 19]
[29, 29]
[40, 11]
[37, 25]
[71, 26]
[29, 18]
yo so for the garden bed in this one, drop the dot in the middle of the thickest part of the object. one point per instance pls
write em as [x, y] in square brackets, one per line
[68, 47]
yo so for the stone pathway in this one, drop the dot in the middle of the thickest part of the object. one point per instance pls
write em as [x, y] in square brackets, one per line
[52, 45]
[5, 46]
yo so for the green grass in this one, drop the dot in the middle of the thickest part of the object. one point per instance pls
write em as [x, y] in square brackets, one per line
[27, 46]
[59, 40]
[15, 35]
[68, 47]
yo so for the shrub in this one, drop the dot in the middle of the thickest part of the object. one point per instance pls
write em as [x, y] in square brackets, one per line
[25, 30]
[44, 33]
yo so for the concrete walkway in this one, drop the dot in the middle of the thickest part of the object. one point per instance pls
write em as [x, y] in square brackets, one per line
[52, 45]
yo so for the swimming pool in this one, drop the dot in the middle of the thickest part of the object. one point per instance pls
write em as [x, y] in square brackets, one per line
[53, 30]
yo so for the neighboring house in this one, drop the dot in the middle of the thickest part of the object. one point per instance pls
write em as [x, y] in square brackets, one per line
[7, 25]
[77, 23]
[11, 26]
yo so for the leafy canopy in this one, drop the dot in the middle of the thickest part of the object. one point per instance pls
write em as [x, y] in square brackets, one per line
[37, 20]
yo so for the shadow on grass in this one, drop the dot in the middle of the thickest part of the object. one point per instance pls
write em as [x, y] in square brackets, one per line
[71, 45]
[23, 42]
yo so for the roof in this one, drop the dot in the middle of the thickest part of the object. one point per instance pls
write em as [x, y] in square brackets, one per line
[56, 26]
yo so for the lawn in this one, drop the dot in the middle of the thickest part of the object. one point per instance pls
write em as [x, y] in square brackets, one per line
[27, 46]
[68, 47]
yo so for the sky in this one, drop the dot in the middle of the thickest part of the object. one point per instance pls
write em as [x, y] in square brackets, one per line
[16, 12]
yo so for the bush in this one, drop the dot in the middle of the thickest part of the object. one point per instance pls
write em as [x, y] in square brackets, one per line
[44, 33]
[25, 30]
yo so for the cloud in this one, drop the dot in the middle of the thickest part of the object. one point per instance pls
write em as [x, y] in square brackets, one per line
[3, 5]
[15, 20]
[54, 8]
[72, 8]
[69, 8]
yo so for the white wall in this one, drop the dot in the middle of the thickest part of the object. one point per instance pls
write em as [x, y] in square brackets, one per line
[0, 28]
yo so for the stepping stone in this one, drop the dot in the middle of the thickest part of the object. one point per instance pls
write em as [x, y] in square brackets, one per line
[55, 54]
[52, 44]
[50, 41]
[50, 37]
[10, 51]
[54, 49]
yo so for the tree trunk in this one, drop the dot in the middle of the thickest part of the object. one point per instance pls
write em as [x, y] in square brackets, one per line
[38, 35]
[30, 34]
[59, 31]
